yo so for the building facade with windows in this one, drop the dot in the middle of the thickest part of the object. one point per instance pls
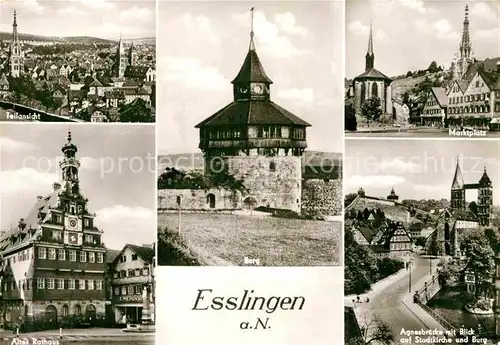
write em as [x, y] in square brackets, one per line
[53, 263]
[435, 108]
[475, 103]
[132, 283]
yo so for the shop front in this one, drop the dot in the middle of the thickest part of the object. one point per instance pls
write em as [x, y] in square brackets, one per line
[128, 309]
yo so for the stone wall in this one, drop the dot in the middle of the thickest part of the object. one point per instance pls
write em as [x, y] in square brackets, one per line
[198, 199]
[271, 181]
[321, 199]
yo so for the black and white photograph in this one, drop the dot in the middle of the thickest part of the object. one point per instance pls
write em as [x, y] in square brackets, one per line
[77, 61]
[250, 167]
[78, 235]
[422, 69]
[422, 232]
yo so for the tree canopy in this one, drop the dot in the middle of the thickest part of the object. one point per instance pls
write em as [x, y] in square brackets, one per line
[371, 109]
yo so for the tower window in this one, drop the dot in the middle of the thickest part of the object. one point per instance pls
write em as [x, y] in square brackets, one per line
[272, 166]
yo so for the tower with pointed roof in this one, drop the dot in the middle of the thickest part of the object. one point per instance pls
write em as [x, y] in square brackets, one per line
[121, 59]
[393, 196]
[484, 199]
[458, 190]
[372, 83]
[464, 57]
[16, 63]
[255, 139]
[54, 262]
[132, 55]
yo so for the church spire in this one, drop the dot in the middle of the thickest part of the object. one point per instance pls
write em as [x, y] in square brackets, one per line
[465, 44]
[14, 27]
[370, 57]
[252, 44]
[458, 180]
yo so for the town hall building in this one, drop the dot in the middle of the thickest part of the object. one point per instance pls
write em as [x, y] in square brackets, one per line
[53, 264]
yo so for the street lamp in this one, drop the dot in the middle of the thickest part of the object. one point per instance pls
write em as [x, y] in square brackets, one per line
[430, 264]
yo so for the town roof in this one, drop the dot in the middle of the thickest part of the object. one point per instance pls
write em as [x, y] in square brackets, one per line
[373, 73]
[145, 253]
[136, 71]
[252, 112]
[252, 70]
[490, 65]
[489, 78]
[22, 234]
[111, 255]
[3, 80]
[114, 94]
[440, 94]
[466, 215]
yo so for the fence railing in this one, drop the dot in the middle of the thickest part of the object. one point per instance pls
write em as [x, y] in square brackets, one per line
[424, 295]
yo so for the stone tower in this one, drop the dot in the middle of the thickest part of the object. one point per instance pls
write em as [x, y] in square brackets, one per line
[256, 140]
[15, 53]
[132, 55]
[121, 59]
[484, 199]
[393, 196]
[458, 190]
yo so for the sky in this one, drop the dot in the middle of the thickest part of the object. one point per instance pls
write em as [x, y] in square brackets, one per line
[410, 34]
[298, 43]
[98, 18]
[117, 175]
[419, 169]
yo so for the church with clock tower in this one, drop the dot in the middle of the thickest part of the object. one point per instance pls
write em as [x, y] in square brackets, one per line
[53, 264]
[254, 139]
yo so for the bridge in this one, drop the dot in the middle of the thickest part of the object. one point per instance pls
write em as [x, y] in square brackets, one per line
[35, 114]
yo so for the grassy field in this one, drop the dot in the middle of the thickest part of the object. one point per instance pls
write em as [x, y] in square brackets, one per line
[227, 239]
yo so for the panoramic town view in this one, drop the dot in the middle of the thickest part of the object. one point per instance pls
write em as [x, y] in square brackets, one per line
[94, 72]
[445, 84]
[73, 267]
[251, 184]
[422, 242]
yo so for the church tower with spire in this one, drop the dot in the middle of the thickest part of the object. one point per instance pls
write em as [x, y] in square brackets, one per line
[458, 190]
[256, 140]
[372, 83]
[16, 64]
[132, 55]
[464, 58]
[121, 60]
